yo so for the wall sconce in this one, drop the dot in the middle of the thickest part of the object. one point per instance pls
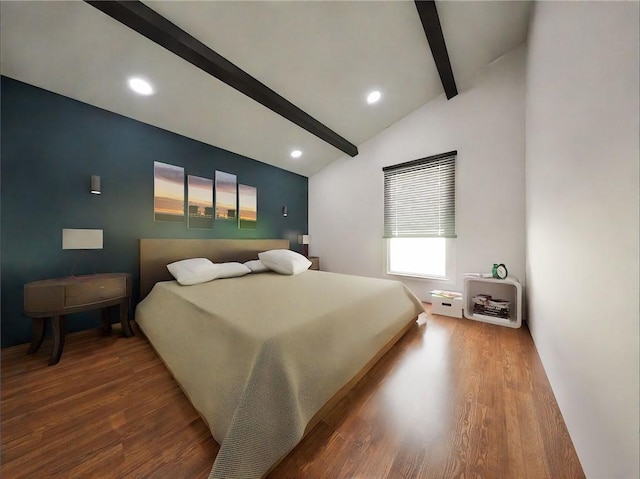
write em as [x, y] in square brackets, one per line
[304, 240]
[95, 185]
[285, 211]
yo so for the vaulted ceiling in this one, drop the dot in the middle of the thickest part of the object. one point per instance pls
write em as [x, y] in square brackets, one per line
[322, 57]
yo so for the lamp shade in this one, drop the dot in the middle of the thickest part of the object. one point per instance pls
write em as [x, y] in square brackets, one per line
[81, 239]
[304, 239]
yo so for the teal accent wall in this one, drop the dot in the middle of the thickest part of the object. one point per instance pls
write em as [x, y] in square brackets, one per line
[51, 145]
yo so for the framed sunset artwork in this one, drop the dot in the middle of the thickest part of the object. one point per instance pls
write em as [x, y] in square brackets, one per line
[248, 207]
[168, 192]
[226, 196]
[200, 202]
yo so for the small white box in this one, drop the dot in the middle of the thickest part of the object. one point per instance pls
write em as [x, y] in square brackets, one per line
[446, 306]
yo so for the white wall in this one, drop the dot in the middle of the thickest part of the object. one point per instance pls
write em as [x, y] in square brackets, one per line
[582, 166]
[485, 124]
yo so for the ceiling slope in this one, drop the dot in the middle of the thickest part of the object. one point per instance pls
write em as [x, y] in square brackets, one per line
[142, 19]
[324, 57]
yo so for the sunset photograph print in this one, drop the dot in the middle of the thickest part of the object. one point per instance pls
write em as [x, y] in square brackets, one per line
[248, 206]
[226, 192]
[168, 192]
[200, 197]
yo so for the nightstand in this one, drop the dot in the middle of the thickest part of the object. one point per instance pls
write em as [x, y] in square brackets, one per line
[315, 262]
[55, 298]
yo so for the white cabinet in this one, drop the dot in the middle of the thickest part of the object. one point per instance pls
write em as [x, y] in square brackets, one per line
[508, 289]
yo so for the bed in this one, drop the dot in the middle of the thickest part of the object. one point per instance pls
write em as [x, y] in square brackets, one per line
[263, 357]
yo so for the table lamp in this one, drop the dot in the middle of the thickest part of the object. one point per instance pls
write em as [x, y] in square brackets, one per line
[304, 240]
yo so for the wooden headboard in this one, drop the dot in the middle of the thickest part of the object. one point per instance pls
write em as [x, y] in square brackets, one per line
[155, 254]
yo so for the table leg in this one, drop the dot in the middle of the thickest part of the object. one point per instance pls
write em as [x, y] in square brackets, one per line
[106, 322]
[58, 339]
[124, 319]
[39, 328]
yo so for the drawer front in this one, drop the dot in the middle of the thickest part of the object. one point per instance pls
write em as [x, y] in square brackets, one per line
[447, 307]
[315, 263]
[39, 299]
[94, 291]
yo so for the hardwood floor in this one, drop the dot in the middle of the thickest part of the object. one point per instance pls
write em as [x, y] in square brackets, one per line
[453, 399]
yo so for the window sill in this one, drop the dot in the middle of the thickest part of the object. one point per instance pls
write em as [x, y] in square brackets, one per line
[419, 277]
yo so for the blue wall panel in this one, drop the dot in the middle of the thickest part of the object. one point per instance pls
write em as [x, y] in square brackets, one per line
[51, 145]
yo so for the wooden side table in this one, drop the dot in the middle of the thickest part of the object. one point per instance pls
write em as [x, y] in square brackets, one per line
[315, 262]
[55, 298]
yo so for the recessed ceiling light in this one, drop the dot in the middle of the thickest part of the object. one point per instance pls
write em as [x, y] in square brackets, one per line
[296, 154]
[141, 86]
[373, 97]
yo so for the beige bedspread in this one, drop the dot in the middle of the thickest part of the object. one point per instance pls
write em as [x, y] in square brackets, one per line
[259, 355]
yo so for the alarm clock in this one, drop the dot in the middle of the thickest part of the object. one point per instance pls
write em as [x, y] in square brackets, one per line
[499, 271]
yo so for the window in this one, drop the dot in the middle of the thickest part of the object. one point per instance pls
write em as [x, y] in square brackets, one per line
[419, 216]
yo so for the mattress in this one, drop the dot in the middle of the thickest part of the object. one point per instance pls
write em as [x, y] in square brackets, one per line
[259, 355]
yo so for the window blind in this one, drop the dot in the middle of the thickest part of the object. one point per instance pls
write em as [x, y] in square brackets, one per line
[419, 198]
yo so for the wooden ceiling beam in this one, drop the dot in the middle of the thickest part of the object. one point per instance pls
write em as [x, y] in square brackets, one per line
[142, 19]
[431, 24]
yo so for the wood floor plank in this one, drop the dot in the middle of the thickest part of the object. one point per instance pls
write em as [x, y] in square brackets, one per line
[454, 398]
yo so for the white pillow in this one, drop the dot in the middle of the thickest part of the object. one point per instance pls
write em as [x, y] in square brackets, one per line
[231, 270]
[284, 261]
[192, 271]
[256, 266]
